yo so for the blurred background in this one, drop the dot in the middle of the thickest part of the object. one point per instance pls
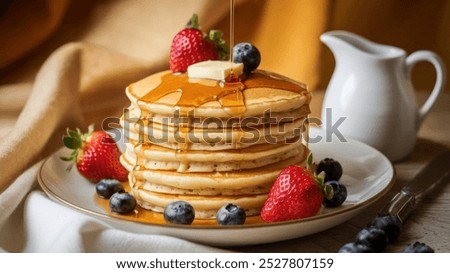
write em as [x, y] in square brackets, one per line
[286, 32]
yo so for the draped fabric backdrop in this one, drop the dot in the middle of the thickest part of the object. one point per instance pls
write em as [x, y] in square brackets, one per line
[67, 63]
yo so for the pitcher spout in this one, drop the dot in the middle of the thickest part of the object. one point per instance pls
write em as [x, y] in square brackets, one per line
[345, 43]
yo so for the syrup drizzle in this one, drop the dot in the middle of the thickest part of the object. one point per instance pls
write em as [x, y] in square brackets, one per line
[228, 94]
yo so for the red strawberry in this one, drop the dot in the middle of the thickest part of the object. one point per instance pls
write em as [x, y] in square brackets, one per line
[296, 194]
[191, 45]
[96, 155]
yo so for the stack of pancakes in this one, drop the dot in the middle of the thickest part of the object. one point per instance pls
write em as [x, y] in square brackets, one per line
[211, 142]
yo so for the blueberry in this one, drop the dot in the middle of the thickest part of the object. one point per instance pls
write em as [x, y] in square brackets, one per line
[389, 224]
[339, 194]
[355, 248]
[372, 237]
[107, 187]
[331, 167]
[418, 247]
[179, 212]
[230, 214]
[247, 54]
[122, 202]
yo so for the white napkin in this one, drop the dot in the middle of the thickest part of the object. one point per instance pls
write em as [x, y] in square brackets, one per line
[37, 224]
[54, 228]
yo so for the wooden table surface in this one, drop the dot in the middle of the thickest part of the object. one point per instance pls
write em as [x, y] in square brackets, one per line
[430, 221]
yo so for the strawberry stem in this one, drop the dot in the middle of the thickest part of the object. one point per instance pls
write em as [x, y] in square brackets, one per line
[328, 191]
[215, 36]
[193, 22]
[319, 178]
[74, 140]
[309, 161]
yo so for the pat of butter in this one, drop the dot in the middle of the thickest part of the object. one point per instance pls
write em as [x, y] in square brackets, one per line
[216, 70]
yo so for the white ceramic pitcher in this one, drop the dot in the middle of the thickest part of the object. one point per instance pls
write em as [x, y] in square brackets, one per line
[371, 88]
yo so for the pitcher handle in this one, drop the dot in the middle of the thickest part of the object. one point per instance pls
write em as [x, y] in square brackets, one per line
[436, 61]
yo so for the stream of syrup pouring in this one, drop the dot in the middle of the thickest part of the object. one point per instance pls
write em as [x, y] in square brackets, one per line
[231, 36]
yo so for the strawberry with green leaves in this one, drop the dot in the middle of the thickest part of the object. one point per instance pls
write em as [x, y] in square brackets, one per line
[297, 193]
[95, 154]
[191, 45]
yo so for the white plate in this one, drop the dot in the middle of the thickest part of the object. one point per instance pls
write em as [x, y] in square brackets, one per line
[367, 174]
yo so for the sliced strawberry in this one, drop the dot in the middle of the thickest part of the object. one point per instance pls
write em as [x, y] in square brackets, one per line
[191, 45]
[96, 155]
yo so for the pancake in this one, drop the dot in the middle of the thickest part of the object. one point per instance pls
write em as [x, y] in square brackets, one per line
[162, 134]
[156, 157]
[134, 114]
[258, 97]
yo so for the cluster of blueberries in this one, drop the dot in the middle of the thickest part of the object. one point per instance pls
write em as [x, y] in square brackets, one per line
[120, 201]
[333, 172]
[383, 230]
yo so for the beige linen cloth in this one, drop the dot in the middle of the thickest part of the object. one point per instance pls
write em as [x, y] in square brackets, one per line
[29, 221]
